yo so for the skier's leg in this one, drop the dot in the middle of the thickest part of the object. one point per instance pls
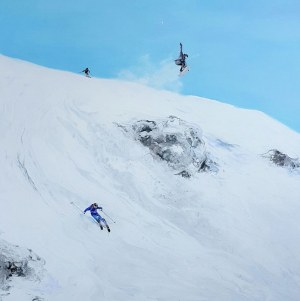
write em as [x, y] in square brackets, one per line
[98, 220]
[96, 217]
[105, 223]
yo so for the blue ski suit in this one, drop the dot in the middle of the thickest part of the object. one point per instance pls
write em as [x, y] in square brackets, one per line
[95, 214]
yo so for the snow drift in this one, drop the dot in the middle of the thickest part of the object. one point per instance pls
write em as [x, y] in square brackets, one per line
[231, 234]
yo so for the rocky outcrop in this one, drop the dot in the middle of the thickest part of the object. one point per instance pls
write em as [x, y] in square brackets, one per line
[18, 262]
[281, 159]
[176, 142]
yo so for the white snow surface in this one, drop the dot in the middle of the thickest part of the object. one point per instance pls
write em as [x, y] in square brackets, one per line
[232, 235]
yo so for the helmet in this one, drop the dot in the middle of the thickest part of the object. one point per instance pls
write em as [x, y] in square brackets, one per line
[95, 205]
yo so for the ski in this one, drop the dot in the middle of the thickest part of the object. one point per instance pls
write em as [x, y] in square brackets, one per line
[184, 71]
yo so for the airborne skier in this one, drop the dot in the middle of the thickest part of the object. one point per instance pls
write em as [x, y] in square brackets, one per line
[181, 60]
[93, 209]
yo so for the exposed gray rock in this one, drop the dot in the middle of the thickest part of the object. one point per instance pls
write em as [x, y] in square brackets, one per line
[176, 142]
[18, 262]
[281, 159]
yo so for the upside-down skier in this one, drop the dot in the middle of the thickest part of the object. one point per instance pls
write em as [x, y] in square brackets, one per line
[99, 219]
[181, 59]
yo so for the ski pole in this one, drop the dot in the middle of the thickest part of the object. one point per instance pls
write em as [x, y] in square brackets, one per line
[75, 205]
[109, 217]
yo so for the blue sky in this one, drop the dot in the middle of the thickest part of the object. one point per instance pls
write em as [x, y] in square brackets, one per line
[246, 53]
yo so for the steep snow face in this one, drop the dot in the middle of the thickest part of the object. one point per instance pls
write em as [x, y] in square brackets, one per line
[225, 235]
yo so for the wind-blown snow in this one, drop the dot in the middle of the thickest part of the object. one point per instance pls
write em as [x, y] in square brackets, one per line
[230, 235]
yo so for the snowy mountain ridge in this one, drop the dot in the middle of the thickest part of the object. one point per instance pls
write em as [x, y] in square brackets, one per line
[230, 233]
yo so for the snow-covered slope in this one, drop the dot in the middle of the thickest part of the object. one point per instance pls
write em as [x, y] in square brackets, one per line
[230, 234]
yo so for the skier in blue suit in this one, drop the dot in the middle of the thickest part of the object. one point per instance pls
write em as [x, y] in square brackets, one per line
[93, 209]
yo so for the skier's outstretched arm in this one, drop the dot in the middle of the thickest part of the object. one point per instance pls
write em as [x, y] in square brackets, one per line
[87, 209]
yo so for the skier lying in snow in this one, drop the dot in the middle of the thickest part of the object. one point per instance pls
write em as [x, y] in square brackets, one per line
[181, 59]
[93, 209]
